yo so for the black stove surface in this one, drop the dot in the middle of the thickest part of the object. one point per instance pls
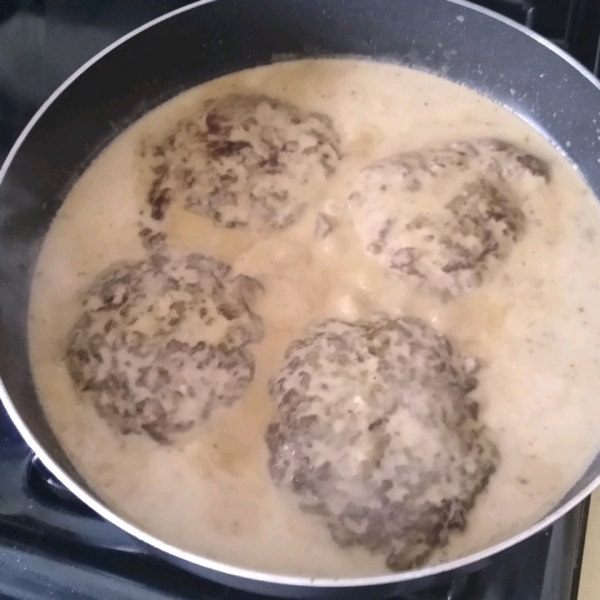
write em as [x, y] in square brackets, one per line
[51, 545]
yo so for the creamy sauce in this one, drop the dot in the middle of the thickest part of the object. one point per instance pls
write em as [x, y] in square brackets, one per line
[535, 324]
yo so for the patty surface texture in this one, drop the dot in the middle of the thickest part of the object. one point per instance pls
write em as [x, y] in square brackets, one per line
[161, 343]
[244, 160]
[377, 435]
[445, 218]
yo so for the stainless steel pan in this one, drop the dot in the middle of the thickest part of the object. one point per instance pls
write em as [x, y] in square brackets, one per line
[457, 40]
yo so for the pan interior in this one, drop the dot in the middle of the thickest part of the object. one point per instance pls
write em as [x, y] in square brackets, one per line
[210, 493]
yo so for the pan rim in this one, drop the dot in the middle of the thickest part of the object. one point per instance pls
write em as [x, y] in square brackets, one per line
[215, 565]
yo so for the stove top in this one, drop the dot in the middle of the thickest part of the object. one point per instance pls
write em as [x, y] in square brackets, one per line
[52, 545]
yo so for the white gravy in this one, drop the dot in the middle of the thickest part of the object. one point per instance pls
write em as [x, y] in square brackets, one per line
[535, 325]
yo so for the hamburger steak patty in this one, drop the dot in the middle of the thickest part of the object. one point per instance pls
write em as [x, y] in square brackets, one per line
[244, 160]
[162, 342]
[447, 216]
[376, 433]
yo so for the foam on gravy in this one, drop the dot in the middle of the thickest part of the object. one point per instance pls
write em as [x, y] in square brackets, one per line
[535, 324]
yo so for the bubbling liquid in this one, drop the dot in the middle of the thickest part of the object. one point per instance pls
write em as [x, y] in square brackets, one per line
[534, 324]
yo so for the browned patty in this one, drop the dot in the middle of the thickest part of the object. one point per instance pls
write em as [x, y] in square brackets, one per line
[162, 342]
[377, 434]
[450, 245]
[243, 160]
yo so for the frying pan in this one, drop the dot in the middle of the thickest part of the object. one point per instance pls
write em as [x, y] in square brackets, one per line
[457, 40]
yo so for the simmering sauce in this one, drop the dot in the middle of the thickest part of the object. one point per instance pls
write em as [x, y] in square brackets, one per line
[533, 323]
